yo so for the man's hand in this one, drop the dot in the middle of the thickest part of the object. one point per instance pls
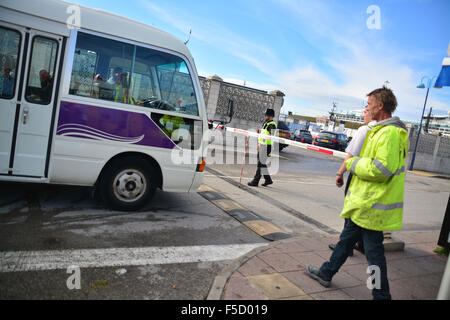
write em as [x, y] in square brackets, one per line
[339, 180]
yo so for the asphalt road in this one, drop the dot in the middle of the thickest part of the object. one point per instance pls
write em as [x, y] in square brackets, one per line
[305, 182]
[48, 221]
[173, 248]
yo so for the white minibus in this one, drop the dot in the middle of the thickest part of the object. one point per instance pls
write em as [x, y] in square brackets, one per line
[91, 98]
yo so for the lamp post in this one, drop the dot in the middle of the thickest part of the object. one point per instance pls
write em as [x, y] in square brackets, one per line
[421, 86]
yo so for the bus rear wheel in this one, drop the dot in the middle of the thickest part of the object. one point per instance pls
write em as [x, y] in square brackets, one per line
[128, 184]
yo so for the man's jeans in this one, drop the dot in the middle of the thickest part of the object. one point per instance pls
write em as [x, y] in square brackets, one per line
[374, 250]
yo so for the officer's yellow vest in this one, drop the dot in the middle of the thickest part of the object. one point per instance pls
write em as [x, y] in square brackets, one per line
[171, 123]
[266, 132]
[375, 197]
[122, 97]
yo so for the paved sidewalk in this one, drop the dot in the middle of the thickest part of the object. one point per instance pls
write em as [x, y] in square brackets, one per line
[278, 272]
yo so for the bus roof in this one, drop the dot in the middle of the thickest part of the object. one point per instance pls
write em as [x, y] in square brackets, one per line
[100, 21]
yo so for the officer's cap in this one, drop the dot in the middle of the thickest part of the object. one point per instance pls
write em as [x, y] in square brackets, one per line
[270, 113]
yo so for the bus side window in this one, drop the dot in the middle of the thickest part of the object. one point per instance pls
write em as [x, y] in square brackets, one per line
[9, 51]
[125, 73]
[184, 132]
[171, 87]
[82, 72]
[101, 68]
[41, 70]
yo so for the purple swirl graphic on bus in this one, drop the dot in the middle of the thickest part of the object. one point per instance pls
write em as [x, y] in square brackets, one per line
[105, 124]
[73, 129]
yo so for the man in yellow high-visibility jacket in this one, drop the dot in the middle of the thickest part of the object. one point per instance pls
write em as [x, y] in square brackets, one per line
[265, 148]
[374, 202]
[120, 85]
[170, 124]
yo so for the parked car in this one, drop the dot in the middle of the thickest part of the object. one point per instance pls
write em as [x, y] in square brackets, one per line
[314, 133]
[332, 140]
[292, 134]
[303, 136]
[294, 127]
[283, 132]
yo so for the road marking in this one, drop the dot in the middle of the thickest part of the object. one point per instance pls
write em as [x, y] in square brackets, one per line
[275, 202]
[278, 156]
[248, 218]
[227, 204]
[276, 180]
[20, 261]
[262, 227]
[422, 173]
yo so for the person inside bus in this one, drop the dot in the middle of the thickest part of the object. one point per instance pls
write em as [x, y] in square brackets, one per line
[171, 125]
[45, 92]
[119, 81]
[96, 84]
[100, 89]
[8, 83]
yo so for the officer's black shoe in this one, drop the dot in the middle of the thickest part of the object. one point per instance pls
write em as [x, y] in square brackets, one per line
[253, 183]
[267, 182]
[332, 246]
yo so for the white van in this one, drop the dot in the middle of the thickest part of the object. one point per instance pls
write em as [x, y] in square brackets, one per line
[102, 103]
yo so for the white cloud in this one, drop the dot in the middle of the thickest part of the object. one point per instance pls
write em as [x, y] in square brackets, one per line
[361, 65]
[217, 36]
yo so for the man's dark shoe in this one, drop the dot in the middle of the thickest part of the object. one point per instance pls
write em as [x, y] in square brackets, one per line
[267, 182]
[253, 183]
[314, 273]
[332, 246]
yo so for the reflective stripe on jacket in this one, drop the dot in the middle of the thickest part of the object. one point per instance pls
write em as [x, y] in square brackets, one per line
[375, 197]
[266, 132]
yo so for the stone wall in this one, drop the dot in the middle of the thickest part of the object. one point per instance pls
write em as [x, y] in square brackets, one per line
[433, 152]
[249, 104]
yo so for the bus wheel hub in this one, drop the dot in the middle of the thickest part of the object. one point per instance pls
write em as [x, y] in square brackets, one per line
[129, 185]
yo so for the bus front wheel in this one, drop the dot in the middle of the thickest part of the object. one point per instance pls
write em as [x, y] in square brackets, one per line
[128, 184]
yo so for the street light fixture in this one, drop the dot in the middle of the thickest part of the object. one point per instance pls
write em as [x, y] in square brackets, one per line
[422, 85]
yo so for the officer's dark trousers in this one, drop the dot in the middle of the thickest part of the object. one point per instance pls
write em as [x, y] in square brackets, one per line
[263, 155]
[374, 250]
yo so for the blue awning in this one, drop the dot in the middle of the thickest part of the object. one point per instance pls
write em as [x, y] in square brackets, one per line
[444, 76]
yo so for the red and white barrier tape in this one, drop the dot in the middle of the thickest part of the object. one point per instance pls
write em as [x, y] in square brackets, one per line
[334, 153]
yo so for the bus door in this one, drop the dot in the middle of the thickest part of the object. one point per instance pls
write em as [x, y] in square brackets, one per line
[27, 114]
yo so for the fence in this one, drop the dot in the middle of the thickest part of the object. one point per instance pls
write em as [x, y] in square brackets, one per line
[433, 152]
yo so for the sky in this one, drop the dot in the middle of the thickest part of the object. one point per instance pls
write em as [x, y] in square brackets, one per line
[315, 51]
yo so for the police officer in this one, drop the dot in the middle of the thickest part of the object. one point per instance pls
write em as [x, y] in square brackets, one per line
[119, 81]
[265, 147]
[170, 124]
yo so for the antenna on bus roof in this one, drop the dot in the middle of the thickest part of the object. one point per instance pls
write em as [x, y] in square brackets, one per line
[190, 32]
